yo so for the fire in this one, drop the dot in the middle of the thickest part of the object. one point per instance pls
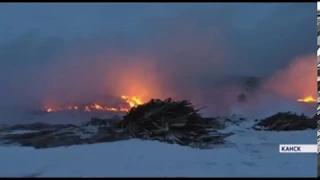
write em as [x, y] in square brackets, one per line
[97, 106]
[308, 99]
[296, 81]
[131, 102]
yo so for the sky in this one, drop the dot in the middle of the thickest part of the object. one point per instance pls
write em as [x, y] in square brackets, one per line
[75, 49]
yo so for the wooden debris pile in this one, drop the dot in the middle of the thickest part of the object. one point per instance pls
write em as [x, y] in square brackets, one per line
[171, 121]
[176, 122]
[287, 121]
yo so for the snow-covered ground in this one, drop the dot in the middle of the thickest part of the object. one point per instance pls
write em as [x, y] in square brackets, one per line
[248, 153]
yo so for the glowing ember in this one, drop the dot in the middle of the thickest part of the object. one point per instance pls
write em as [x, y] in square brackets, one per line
[131, 101]
[308, 99]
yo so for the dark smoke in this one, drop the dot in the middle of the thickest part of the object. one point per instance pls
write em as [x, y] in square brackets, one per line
[53, 53]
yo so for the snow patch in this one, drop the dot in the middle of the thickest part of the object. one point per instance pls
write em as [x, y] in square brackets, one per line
[18, 132]
[254, 154]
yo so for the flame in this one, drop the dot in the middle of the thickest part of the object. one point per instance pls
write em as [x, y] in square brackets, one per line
[87, 109]
[97, 106]
[131, 102]
[297, 80]
[307, 99]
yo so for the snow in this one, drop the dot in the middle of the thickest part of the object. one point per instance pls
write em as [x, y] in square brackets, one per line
[17, 132]
[248, 153]
[90, 131]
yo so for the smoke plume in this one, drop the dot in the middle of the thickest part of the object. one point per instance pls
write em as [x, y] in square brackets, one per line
[184, 51]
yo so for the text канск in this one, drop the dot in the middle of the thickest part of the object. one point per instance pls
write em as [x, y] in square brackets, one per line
[298, 148]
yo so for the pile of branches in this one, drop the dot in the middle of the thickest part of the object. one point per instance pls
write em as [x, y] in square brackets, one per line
[287, 121]
[176, 122]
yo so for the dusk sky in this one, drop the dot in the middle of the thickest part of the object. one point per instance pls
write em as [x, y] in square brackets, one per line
[189, 42]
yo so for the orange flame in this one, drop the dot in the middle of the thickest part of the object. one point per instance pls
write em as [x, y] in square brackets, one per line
[131, 101]
[134, 101]
[307, 99]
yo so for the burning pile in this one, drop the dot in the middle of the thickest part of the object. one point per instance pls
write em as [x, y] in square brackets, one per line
[166, 121]
[124, 107]
[172, 122]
